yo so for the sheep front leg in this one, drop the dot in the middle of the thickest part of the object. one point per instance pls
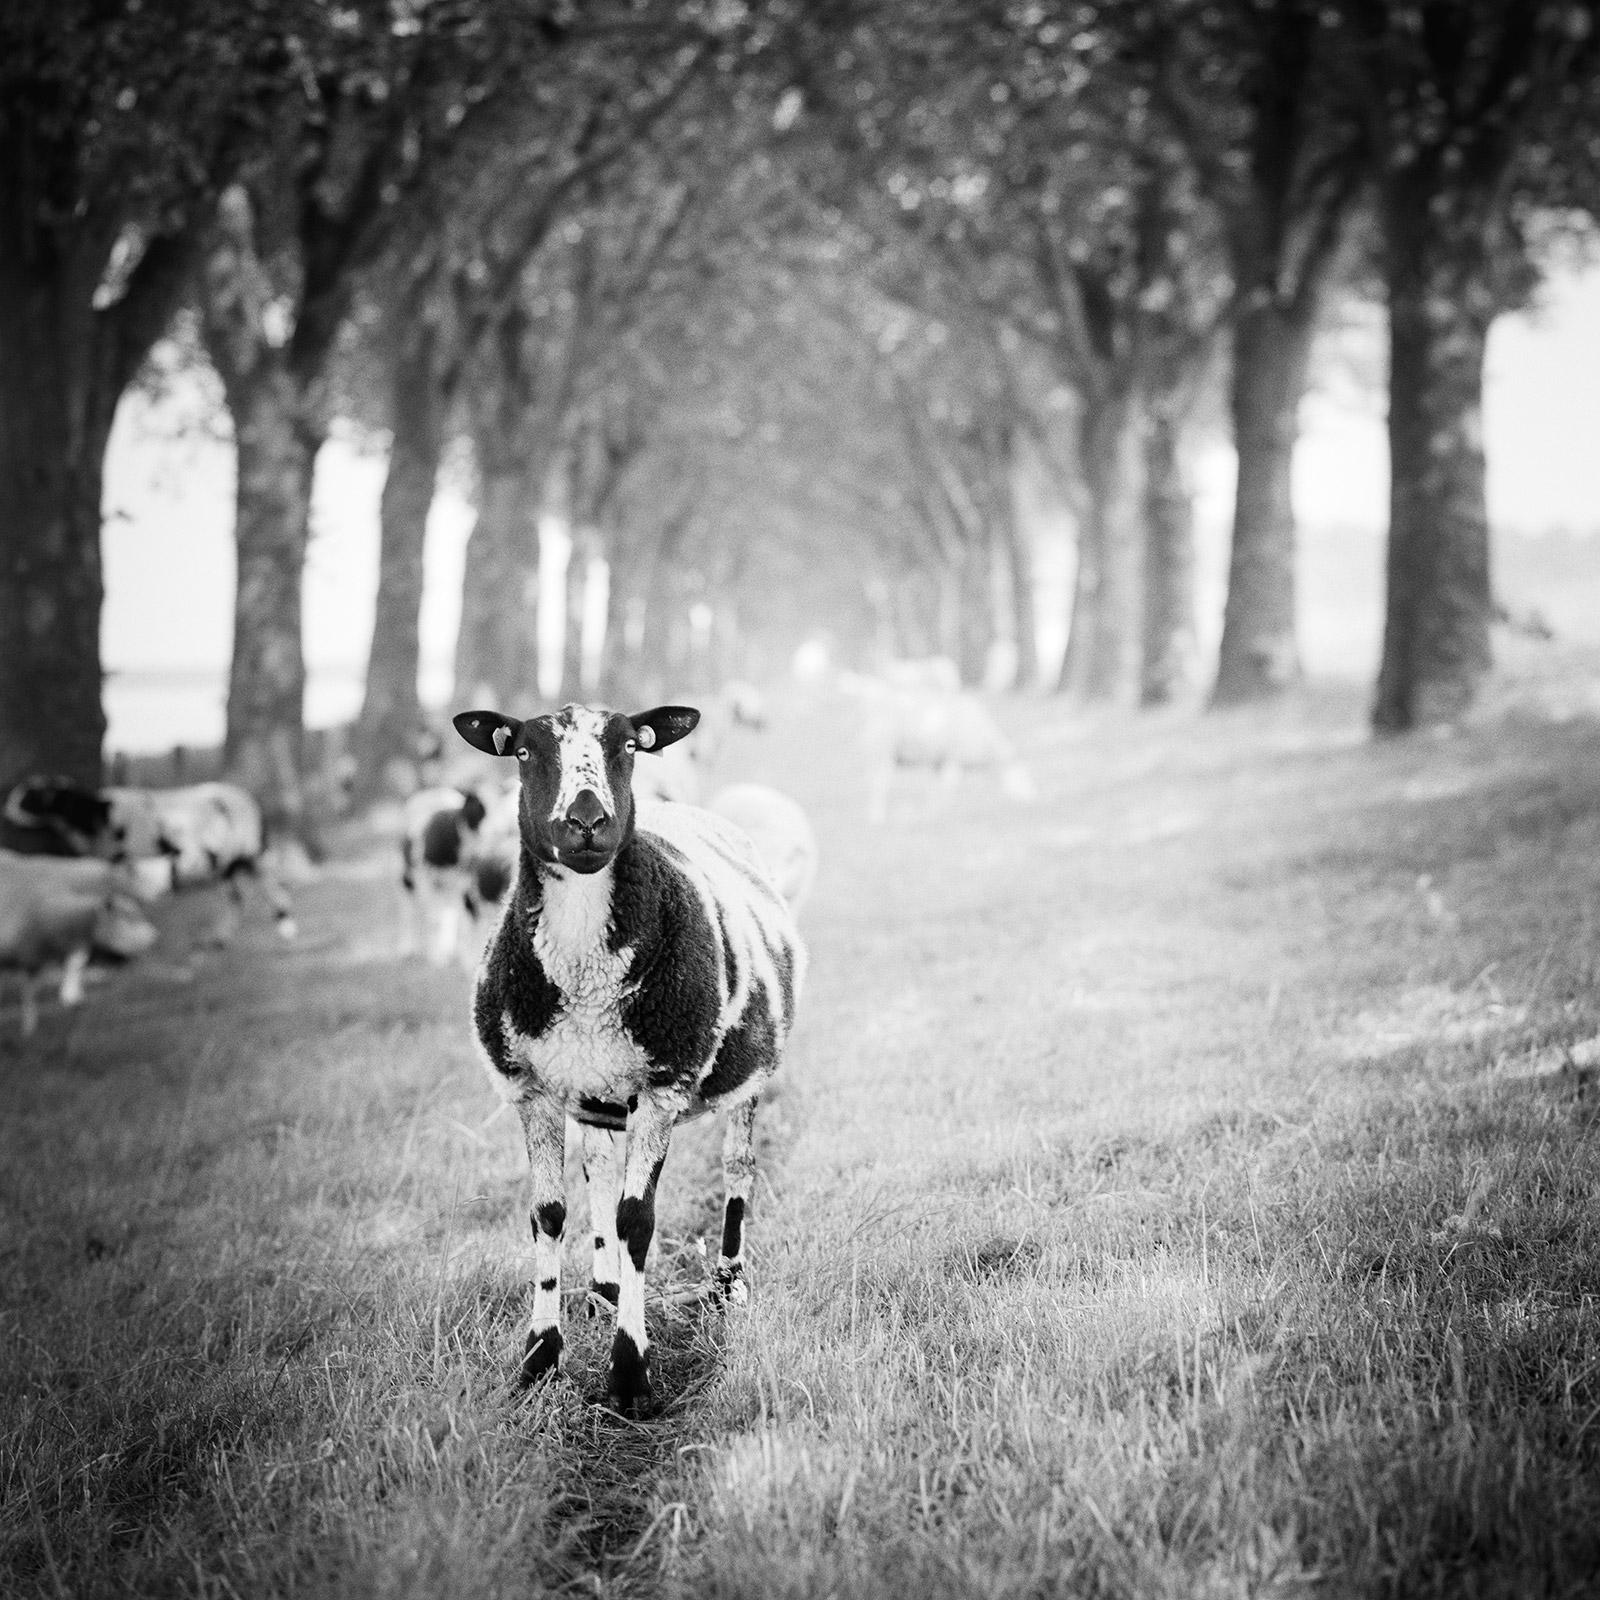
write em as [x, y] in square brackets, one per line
[738, 1174]
[72, 970]
[649, 1133]
[544, 1128]
[602, 1171]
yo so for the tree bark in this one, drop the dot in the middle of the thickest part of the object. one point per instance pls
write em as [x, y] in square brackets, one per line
[264, 746]
[64, 364]
[1438, 605]
[584, 546]
[974, 609]
[1101, 664]
[497, 648]
[1258, 657]
[55, 419]
[1168, 644]
[1019, 573]
[391, 710]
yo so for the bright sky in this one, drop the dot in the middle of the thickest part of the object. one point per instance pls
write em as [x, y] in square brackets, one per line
[169, 554]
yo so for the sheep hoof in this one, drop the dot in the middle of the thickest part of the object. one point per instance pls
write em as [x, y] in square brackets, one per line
[628, 1389]
[728, 1287]
[541, 1357]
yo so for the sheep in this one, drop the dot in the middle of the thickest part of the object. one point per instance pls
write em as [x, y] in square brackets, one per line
[55, 909]
[208, 832]
[675, 777]
[644, 971]
[436, 847]
[53, 816]
[951, 733]
[938, 673]
[780, 831]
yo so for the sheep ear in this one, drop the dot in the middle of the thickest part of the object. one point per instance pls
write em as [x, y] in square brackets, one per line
[487, 731]
[665, 725]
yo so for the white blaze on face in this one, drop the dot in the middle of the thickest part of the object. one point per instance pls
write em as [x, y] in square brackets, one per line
[583, 759]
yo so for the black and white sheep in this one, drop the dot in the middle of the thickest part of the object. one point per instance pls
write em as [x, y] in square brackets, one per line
[645, 970]
[436, 852]
[52, 816]
[55, 911]
[206, 833]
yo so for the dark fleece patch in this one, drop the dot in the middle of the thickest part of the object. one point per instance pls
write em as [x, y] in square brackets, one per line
[672, 1014]
[493, 877]
[441, 839]
[604, 1114]
[747, 1048]
[514, 982]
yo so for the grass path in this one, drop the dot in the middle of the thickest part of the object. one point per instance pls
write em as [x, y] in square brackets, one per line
[1183, 1187]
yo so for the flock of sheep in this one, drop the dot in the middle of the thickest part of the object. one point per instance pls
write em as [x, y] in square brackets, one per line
[637, 954]
[79, 868]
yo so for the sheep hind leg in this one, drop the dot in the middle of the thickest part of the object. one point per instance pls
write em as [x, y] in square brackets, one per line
[739, 1173]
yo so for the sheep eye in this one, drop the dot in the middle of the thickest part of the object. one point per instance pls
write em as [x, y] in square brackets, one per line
[522, 755]
[630, 744]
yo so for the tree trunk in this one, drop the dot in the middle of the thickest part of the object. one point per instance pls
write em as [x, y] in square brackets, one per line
[263, 748]
[1168, 646]
[583, 547]
[497, 656]
[1019, 573]
[974, 609]
[1438, 606]
[55, 419]
[391, 710]
[1102, 660]
[1257, 658]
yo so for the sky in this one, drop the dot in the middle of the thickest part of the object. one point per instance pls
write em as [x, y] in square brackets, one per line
[167, 622]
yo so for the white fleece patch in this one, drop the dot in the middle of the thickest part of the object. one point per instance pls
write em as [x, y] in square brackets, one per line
[739, 897]
[586, 1050]
[577, 731]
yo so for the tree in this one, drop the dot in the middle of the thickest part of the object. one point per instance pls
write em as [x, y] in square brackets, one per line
[1025, 155]
[1480, 111]
[118, 126]
[1261, 97]
[394, 120]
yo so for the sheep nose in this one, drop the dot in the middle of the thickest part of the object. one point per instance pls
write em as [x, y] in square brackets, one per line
[586, 812]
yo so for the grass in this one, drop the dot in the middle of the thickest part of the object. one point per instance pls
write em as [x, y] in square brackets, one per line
[1183, 1187]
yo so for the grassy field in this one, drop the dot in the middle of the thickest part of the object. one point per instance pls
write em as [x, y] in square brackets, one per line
[1185, 1186]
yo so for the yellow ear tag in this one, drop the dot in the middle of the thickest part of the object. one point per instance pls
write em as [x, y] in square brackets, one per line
[502, 737]
[647, 738]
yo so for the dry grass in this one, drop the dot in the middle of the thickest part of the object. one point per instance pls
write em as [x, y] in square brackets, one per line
[1174, 1193]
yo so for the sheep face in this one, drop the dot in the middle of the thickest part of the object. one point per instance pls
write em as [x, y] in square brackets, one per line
[576, 769]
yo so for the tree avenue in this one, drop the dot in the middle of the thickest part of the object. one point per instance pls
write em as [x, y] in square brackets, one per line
[843, 300]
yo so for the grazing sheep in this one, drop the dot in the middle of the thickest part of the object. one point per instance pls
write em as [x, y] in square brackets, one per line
[644, 971]
[675, 777]
[55, 909]
[492, 865]
[436, 848]
[780, 831]
[49, 816]
[210, 832]
[937, 673]
[951, 733]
